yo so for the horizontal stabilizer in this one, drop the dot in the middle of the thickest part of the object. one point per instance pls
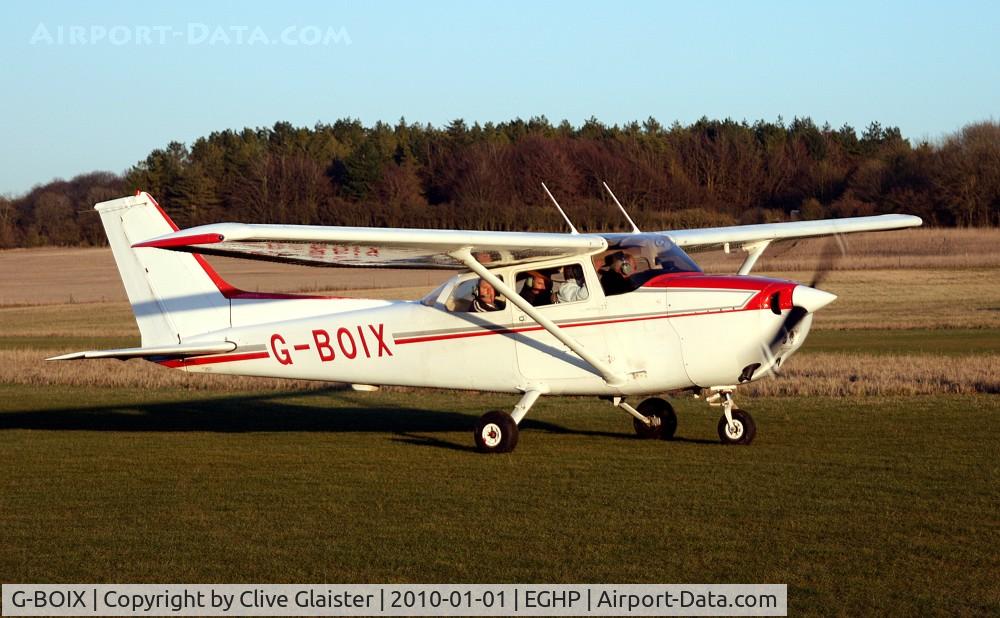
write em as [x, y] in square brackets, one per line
[191, 349]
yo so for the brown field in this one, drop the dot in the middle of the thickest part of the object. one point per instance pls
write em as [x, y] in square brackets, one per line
[868, 299]
[941, 279]
[57, 275]
[66, 276]
[933, 248]
[58, 300]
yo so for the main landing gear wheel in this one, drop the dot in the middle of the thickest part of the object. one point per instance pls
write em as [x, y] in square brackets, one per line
[496, 432]
[664, 420]
[742, 431]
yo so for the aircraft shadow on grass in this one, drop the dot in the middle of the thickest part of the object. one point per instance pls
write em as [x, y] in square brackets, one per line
[276, 412]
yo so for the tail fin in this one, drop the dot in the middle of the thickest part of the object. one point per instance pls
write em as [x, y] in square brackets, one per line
[173, 295]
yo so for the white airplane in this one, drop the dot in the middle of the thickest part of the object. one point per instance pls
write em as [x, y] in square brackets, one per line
[609, 315]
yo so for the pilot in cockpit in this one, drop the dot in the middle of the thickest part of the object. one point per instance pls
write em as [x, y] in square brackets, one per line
[619, 266]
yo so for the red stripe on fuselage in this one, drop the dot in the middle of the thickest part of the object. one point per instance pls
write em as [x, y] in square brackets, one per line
[528, 329]
[716, 282]
[764, 287]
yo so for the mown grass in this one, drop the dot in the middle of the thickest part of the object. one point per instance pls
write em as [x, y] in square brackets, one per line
[95, 321]
[881, 505]
[905, 300]
[836, 374]
[942, 342]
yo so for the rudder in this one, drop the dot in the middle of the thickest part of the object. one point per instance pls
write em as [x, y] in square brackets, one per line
[173, 295]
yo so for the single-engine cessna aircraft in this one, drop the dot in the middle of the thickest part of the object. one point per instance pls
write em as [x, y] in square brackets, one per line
[609, 315]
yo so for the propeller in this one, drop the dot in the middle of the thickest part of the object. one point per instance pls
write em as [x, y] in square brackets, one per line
[794, 317]
[831, 252]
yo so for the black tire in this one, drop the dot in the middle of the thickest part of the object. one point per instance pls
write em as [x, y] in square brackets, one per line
[496, 432]
[661, 409]
[746, 428]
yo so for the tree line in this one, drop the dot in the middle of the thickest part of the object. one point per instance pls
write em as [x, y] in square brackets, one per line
[488, 176]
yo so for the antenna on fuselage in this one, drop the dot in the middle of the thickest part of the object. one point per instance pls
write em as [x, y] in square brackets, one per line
[568, 222]
[635, 228]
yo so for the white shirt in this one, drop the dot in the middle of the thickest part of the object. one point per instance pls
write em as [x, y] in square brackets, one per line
[572, 291]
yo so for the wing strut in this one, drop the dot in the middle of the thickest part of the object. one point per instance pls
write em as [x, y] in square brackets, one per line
[754, 251]
[465, 256]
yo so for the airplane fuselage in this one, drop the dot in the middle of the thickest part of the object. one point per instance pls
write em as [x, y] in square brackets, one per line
[676, 331]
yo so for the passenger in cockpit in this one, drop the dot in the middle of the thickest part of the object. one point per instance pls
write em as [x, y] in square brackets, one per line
[537, 289]
[486, 298]
[574, 287]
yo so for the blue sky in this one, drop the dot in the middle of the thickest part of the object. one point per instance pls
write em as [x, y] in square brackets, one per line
[136, 77]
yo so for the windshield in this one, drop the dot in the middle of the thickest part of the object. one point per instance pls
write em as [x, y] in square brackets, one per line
[431, 298]
[648, 255]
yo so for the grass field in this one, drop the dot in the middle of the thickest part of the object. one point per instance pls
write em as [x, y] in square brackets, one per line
[861, 505]
[122, 472]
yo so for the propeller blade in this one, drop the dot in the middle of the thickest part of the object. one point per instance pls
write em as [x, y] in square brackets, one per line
[832, 251]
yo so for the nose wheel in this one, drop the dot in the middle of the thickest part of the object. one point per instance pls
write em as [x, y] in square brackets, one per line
[740, 429]
[736, 426]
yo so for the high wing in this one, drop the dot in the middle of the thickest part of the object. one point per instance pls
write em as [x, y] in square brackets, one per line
[416, 248]
[385, 247]
[739, 236]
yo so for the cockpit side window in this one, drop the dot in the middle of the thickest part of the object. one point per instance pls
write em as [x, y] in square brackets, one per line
[551, 286]
[535, 286]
